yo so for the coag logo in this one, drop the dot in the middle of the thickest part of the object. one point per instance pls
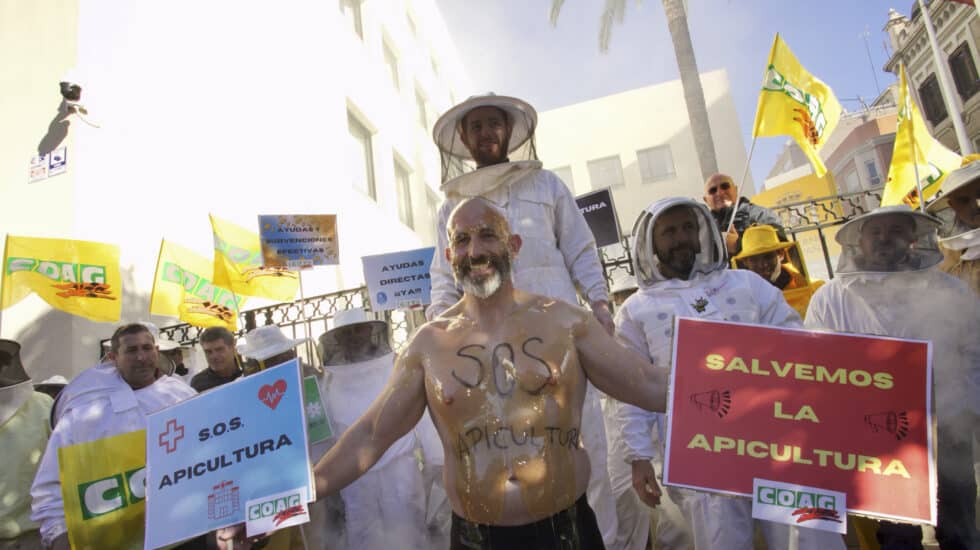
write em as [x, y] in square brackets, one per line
[112, 493]
[794, 499]
[816, 120]
[59, 271]
[273, 506]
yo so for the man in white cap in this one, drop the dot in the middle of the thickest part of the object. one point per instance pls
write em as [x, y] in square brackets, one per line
[384, 508]
[887, 285]
[173, 352]
[105, 400]
[24, 431]
[961, 247]
[679, 264]
[503, 374]
[496, 134]
[270, 346]
[622, 287]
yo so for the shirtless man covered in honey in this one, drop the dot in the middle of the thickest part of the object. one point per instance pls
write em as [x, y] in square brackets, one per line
[503, 374]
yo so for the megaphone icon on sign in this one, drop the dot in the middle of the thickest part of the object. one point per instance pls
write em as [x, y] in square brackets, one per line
[896, 423]
[716, 401]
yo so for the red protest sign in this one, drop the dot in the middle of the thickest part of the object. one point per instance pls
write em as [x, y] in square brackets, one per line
[842, 412]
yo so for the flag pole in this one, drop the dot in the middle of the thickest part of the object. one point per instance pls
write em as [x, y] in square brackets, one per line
[953, 106]
[738, 189]
[3, 275]
[915, 167]
[310, 348]
[915, 152]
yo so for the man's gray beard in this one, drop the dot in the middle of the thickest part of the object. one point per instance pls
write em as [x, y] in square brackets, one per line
[483, 290]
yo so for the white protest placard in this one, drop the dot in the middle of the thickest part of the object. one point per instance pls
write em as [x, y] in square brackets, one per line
[799, 505]
[209, 456]
[399, 279]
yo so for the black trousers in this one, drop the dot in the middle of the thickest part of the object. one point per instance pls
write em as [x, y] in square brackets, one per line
[574, 528]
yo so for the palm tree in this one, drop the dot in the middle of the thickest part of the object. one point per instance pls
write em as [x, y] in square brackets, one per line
[697, 111]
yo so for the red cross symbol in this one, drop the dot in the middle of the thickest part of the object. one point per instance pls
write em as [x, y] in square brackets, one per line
[170, 437]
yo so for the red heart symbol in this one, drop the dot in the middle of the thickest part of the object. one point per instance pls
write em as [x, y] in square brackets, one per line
[271, 395]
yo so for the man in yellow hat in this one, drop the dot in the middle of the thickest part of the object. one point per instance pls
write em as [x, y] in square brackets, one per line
[778, 262]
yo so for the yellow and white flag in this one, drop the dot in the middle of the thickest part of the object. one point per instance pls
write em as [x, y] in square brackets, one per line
[913, 141]
[78, 277]
[795, 103]
[183, 287]
[238, 265]
[103, 487]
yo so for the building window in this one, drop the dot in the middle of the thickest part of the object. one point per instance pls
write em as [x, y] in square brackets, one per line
[432, 210]
[403, 181]
[656, 163]
[932, 100]
[391, 62]
[606, 172]
[964, 71]
[852, 182]
[352, 13]
[360, 157]
[420, 107]
[564, 173]
[873, 178]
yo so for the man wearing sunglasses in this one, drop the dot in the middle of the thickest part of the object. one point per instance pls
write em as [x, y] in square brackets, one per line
[721, 196]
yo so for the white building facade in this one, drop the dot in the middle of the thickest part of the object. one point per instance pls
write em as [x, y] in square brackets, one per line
[639, 144]
[224, 107]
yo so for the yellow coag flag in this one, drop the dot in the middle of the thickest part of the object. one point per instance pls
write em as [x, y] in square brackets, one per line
[102, 483]
[238, 265]
[183, 287]
[913, 141]
[795, 103]
[79, 277]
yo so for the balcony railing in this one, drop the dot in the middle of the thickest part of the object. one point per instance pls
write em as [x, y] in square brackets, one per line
[798, 218]
[308, 317]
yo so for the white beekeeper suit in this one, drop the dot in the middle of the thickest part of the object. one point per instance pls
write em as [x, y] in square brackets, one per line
[633, 516]
[98, 403]
[919, 302]
[645, 322]
[385, 508]
[558, 252]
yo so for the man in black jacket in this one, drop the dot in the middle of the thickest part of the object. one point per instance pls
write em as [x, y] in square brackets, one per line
[219, 351]
[720, 195]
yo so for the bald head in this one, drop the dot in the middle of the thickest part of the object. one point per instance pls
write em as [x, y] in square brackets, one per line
[481, 247]
[719, 192]
[477, 210]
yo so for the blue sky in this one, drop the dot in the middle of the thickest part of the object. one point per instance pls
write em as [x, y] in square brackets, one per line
[508, 46]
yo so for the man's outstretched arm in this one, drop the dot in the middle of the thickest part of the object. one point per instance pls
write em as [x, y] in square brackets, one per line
[618, 371]
[395, 411]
